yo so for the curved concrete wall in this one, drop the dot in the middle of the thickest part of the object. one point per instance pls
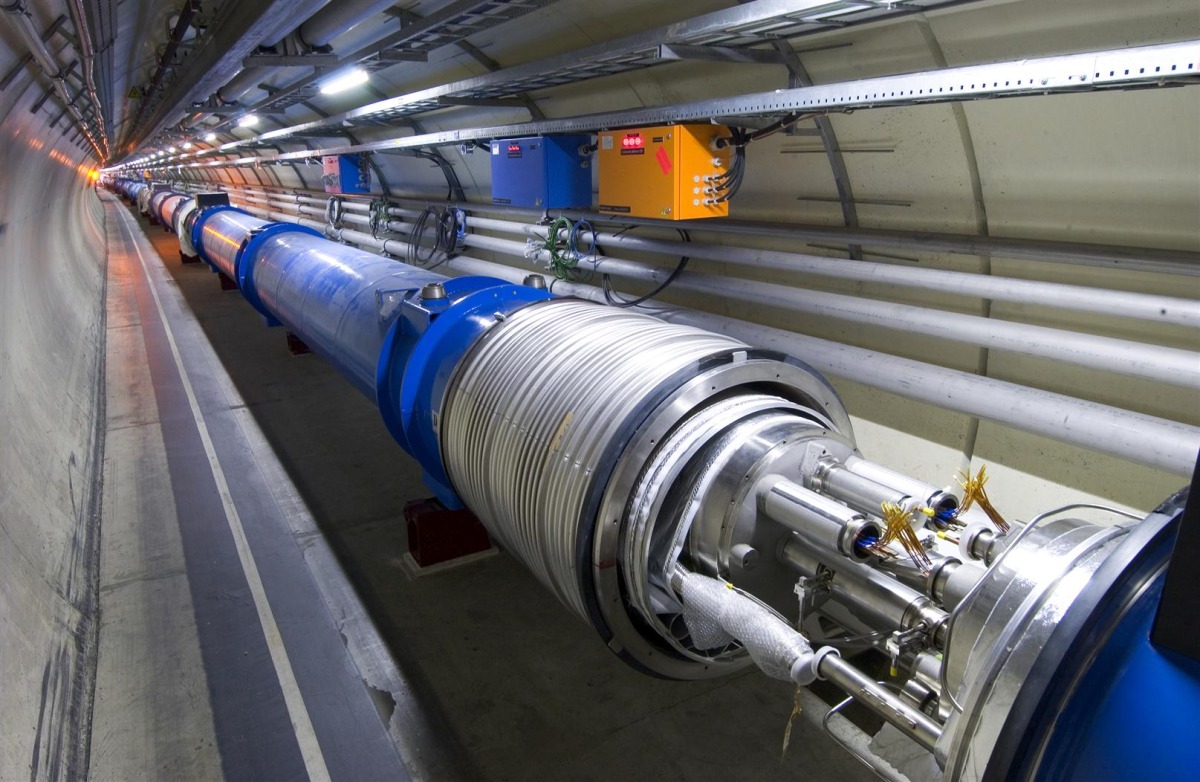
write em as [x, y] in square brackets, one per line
[52, 265]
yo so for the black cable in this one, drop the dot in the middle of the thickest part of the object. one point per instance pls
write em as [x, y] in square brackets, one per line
[418, 232]
[613, 299]
[445, 224]
[378, 211]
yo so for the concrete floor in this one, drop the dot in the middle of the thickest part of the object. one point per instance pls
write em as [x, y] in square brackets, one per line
[497, 680]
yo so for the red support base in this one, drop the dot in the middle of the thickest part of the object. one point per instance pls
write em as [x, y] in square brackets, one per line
[226, 283]
[437, 535]
[296, 345]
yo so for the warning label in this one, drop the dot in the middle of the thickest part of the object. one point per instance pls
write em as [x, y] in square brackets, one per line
[664, 160]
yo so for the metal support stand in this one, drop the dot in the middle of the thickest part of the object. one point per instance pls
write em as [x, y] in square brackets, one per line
[296, 346]
[437, 536]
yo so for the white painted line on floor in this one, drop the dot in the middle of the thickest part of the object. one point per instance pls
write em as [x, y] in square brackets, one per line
[314, 760]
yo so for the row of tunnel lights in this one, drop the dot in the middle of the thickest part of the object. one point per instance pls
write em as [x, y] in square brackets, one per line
[352, 78]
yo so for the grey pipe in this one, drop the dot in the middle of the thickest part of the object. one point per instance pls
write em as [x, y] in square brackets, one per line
[1152, 362]
[1176, 262]
[15, 11]
[1181, 262]
[913, 723]
[1079, 298]
[1168, 365]
[87, 53]
[338, 18]
[321, 28]
[1156, 442]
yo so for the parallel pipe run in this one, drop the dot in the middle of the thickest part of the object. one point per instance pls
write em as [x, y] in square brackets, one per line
[1156, 442]
[1137, 359]
[1078, 298]
[1157, 260]
[1171, 262]
[15, 12]
[87, 53]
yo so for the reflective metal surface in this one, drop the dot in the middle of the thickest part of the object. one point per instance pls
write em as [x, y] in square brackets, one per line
[1000, 633]
[540, 410]
[724, 526]
[222, 237]
[326, 293]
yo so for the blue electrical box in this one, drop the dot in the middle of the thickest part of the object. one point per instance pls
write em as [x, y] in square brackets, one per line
[542, 172]
[346, 173]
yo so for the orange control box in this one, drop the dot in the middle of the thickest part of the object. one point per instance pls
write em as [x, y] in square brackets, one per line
[663, 171]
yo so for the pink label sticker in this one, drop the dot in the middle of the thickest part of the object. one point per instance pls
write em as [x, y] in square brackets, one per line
[664, 160]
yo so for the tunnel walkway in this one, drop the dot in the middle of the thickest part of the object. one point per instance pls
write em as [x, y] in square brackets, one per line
[228, 637]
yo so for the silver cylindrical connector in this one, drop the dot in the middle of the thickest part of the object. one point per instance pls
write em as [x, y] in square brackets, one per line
[823, 521]
[933, 497]
[874, 597]
[834, 479]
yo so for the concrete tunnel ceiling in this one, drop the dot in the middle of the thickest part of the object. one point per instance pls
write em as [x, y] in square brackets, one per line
[979, 280]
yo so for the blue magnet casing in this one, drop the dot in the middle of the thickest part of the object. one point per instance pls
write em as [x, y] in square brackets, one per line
[420, 353]
[198, 229]
[248, 252]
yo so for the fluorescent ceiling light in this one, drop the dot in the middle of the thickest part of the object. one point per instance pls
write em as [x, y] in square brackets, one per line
[248, 121]
[187, 145]
[172, 150]
[211, 137]
[351, 78]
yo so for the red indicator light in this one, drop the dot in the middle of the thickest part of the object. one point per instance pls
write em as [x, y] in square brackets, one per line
[632, 141]
[514, 147]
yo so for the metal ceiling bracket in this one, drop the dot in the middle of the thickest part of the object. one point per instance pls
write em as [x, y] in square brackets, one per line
[37, 104]
[798, 77]
[395, 55]
[495, 102]
[678, 51]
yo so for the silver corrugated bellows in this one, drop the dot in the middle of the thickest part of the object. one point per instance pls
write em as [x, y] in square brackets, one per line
[566, 412]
